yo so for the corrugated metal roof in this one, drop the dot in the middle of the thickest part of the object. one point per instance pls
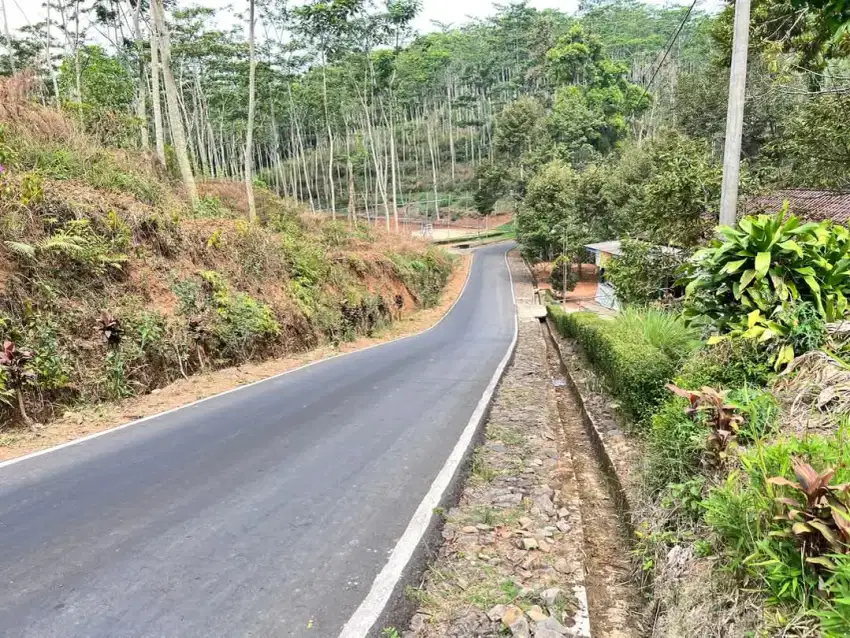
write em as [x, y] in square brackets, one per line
[809, 204]
[614, 247]
[611, 247]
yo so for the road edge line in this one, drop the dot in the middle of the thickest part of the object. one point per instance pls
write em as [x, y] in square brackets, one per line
[95, 435]
[373, 607]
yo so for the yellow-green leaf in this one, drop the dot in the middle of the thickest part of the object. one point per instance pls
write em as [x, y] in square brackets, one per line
[762, 264]
[747, 278]
[734, 266]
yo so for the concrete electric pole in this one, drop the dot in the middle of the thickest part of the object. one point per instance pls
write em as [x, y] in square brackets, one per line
[735, 114]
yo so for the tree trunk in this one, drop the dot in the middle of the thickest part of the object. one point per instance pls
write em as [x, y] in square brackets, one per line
[433, 169]
[249, 138]
[352, 195]
[451, 130]
[22, 410]
[393, 159]
[78, 72]
[50, 67]
[159, 132]
[141, 104]
[330, 133]
[178, 135]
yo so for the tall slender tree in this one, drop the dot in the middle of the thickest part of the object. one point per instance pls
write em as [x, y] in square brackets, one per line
[175, 117]
[249, 136]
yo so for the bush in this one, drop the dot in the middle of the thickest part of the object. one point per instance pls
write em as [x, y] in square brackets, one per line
[675, 445]
[556, 279]
[751, 283]
[635, 370]
[743, 513]
[731, 363]
[238, 322]
[644, 272]
[660, 328]
[678, 441]
[424, 275]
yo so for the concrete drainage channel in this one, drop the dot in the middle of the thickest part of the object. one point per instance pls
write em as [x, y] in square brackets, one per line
[614, 603]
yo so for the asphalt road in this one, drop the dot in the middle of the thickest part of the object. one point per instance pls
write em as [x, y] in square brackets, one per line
[261, 512]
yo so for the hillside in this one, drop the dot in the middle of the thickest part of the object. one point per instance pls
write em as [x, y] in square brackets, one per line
[112, 285]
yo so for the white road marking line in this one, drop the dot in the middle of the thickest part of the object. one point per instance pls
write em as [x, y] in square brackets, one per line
[373, 605]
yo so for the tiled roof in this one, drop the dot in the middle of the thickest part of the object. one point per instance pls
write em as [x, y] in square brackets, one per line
[811, 205]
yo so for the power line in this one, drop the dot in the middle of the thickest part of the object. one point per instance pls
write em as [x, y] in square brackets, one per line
[667, 51]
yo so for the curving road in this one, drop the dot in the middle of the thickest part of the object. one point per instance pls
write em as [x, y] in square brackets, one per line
[267, 511]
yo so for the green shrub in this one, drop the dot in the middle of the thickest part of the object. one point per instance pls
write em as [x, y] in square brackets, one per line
[556, 279]
[634, 369]
[424, 275]
[675, 445]
[239, 323]
[678, 442]
[210, 207]
[743, 513]
[660, 328]
[728, 364]
[97, 167]
[644, 272]
[751, 283]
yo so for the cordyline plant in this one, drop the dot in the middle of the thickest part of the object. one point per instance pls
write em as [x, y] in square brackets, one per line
[110, 327]
[13, 362]
[745, 284]
[818, 513]
[721, 417]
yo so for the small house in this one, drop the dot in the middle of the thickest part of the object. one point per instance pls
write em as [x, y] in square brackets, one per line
[603, 252]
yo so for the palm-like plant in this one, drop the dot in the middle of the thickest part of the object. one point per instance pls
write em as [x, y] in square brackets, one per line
[745, 283]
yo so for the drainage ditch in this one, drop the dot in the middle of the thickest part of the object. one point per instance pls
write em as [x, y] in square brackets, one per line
[614, 601]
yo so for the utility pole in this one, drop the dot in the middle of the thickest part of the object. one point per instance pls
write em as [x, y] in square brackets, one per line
[735, 115]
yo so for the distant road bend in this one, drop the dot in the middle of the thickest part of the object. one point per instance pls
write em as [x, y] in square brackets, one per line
[267, 511]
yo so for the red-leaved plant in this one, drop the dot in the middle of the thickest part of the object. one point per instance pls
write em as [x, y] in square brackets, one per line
[721, 417]
[13, 361]
[818, 513]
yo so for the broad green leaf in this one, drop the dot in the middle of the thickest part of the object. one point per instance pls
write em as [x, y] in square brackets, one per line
[733, 266]
[814, 286]
[786, 355]
[754, 333]
[762, 264]
[747, 278]
[806, 270]
[753, 318]
[792, 246]
[823, 561]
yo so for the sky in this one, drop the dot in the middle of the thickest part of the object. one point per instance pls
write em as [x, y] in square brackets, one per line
[444, 11]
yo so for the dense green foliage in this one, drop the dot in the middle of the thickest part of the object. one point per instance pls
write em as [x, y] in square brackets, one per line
[634, 368]
[644, 272]
[772, 279]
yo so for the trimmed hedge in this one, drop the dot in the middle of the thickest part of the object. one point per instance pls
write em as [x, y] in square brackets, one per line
[635, 371]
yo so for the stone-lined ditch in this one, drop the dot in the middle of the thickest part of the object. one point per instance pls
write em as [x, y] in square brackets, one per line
[535, 546]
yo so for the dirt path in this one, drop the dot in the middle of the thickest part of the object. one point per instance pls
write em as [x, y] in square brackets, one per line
[89, 419]
[534, 542]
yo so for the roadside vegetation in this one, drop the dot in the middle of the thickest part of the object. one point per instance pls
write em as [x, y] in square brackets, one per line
[735, 399]
[112, 284]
